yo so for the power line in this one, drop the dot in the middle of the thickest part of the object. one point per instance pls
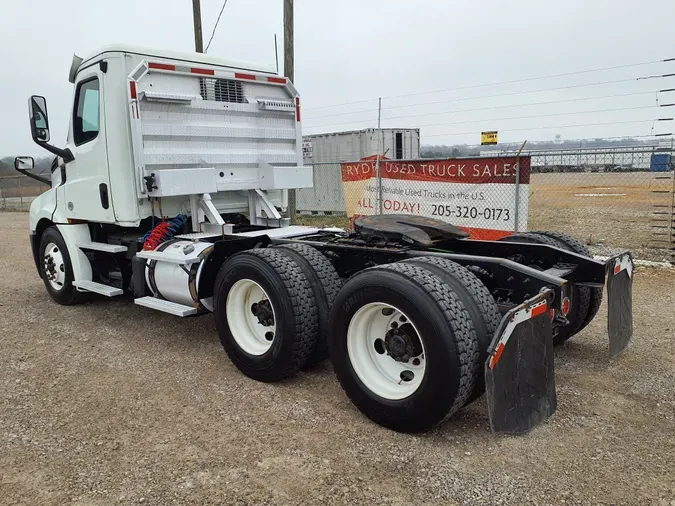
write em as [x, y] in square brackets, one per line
[499, 95]
[496, 106]
[215, 26]
[459, 111]
[511, 118]
[603, 69]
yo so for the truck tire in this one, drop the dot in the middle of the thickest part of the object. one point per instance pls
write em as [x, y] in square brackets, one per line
[580, 294]
[478, 301]
[325, 283]
[576, 247]
[403, 346]
[56, 269]
[265, 313]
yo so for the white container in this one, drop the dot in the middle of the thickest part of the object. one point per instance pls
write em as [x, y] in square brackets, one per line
[396, 143]
[325, 152]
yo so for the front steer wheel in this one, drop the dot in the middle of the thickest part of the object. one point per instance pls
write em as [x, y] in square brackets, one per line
[265, 313]
[56, 269]
[403, 346]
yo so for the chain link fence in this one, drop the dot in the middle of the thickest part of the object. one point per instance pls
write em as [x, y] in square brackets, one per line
[17, 192]
[610, 199]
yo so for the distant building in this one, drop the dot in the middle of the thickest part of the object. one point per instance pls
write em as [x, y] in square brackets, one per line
[611, 159]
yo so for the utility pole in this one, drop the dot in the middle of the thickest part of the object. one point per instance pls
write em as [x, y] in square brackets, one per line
[289, 72]
[288, 40]
[197, 17]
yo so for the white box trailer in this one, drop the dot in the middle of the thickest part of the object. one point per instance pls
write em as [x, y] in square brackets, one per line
[397, 143]
[168, 191]
[325, 151]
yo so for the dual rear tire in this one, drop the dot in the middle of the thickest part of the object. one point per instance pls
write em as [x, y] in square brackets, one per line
[272, 305]
[407, 340]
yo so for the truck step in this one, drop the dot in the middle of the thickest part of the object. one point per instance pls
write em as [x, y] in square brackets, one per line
[92, 286]
[172, 257]
[165, 306]
[102, 246]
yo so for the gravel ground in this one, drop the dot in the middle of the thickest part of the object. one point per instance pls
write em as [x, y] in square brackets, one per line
[110, 403]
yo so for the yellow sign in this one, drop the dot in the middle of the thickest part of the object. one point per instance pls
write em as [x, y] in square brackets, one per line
[487, 138]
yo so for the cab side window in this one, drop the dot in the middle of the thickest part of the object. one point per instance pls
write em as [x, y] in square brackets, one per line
[86, 114]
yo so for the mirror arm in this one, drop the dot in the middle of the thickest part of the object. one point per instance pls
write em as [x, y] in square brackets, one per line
[35, 176]
[66, 154]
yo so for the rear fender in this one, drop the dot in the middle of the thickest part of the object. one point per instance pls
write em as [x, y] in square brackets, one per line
[222, 251]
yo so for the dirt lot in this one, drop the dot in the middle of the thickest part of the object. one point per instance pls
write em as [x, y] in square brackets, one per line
[110, 403]
[614, 209]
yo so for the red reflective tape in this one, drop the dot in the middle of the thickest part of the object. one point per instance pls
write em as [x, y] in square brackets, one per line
[278, 80]
[536, 311]
[132, 87]
[206, 72]
[297, 109]
[161, 66]
[617, 268]
[250, 77]
[497, 355]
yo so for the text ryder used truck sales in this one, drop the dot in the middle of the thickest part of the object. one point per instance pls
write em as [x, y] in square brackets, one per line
[477, 194]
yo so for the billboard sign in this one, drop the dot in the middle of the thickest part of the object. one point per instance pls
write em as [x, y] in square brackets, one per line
[476, 194]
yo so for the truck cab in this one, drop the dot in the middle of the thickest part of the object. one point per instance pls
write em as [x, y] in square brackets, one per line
[153, 128]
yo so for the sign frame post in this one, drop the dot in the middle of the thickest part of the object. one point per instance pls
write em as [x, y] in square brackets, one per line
[516, 211]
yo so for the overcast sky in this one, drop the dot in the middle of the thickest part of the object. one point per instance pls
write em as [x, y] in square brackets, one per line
[356, 50]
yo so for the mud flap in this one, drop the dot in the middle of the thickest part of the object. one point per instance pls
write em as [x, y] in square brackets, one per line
[519, 373]
[619, 302]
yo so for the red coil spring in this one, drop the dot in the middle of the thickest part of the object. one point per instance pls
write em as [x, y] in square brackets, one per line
[156, 236]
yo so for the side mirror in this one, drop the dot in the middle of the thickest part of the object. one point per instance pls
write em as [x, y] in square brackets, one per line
[22, 163]
[25, 164]
[39, 121]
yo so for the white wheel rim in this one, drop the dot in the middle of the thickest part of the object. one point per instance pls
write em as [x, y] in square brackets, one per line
[54, 268]
[369, 352]
[247, 330]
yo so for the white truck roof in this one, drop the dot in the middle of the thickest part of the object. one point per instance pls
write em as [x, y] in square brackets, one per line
[176, 55]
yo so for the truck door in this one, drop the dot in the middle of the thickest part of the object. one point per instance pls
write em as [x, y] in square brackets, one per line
[86, 191]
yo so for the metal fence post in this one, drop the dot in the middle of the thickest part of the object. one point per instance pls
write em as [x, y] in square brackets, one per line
[20, 195]
[379, 154]
[2, 195]
[379, 186]
[516, 214]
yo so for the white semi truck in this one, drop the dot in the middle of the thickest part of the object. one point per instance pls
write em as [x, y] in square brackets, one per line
[171, 189]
